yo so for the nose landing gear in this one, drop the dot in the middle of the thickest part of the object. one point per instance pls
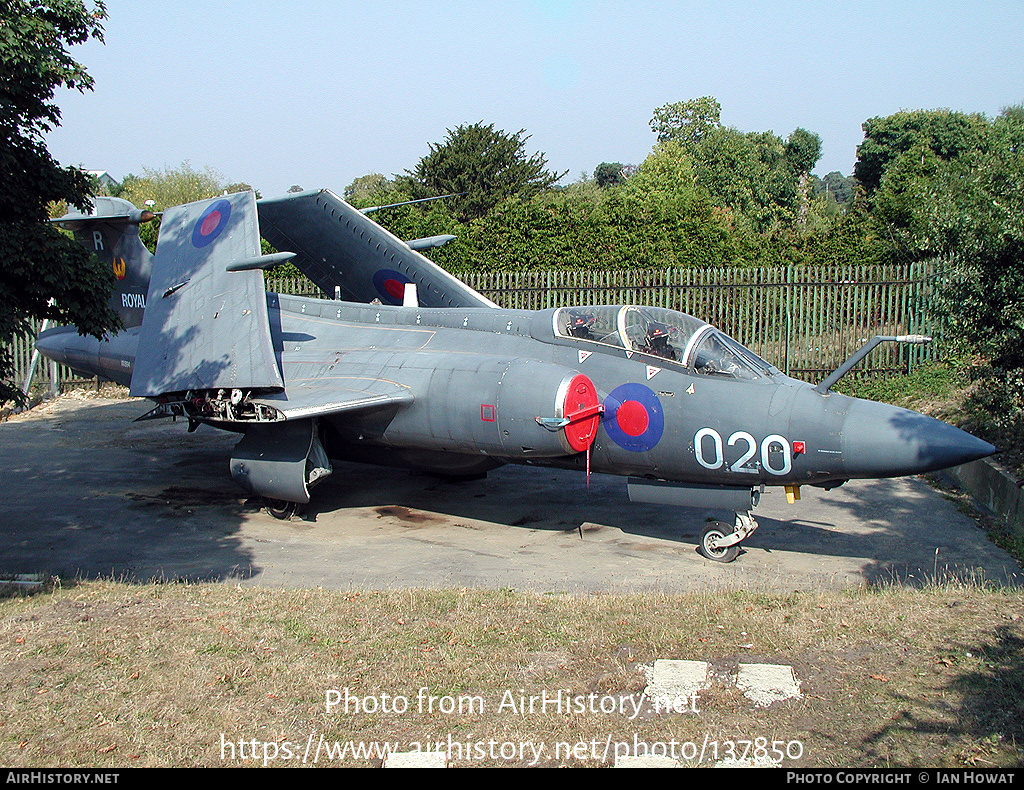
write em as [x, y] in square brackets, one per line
[720, 542]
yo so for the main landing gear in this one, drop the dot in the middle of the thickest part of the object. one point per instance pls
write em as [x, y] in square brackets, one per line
[280, 508]
[721, 543]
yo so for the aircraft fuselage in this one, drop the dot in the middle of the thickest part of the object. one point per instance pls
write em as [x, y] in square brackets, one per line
[482, 381]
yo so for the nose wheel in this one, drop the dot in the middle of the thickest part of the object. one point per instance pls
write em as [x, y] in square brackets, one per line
[721, 543]
[711, 543]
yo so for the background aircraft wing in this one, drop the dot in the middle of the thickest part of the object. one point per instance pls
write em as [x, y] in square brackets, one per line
[337, 245]
[206, 327]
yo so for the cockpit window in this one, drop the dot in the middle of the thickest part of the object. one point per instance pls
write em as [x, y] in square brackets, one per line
[719, 355]
[597, 324]
[665, 334]
[752, 358]
[658, 332]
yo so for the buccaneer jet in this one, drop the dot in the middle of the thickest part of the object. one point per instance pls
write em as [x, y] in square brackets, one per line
[410, 367]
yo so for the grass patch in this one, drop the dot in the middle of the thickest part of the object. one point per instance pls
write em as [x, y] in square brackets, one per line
[939, 389]
[110, 674]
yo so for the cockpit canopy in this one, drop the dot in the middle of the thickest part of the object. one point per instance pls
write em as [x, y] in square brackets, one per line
[670, 336]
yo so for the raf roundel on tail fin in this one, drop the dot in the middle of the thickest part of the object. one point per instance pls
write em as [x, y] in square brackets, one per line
[390, 285]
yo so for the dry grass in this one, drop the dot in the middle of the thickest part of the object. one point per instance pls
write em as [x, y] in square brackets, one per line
[110, 674]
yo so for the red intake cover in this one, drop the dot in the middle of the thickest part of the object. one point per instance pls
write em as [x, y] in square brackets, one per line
[583, 409]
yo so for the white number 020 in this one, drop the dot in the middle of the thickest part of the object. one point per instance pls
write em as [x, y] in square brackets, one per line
[710, 452]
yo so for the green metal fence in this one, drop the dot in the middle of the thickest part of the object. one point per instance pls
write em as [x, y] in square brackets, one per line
[47, 374]
[804, 319]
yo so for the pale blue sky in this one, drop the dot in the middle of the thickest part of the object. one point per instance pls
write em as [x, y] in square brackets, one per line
[318, 93]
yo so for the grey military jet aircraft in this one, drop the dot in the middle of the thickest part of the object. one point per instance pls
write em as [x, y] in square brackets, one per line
[411, 367]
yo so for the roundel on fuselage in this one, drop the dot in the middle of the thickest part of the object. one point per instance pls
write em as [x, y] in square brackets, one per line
[390, 285]
[633, 417]
[211, 223]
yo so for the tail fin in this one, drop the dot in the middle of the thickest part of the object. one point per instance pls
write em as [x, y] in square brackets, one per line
[111, 231]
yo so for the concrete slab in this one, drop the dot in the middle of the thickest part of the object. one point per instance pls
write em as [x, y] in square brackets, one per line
[645, 762]
[764, 684]
[671, 682]
[416, 760]
[89, 492]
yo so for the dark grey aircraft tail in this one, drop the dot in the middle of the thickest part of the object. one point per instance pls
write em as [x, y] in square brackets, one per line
[111, 231]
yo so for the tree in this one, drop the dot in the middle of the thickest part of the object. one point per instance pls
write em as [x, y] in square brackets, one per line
[175, 186]
[483, 166]
[919, 135]
[838, 186]
[757, 175]
[973, 211]
[687, 121]
[608, 174]
[363, 187]
[803, 150]
[43, 273]
[747, 172]
[950, 188]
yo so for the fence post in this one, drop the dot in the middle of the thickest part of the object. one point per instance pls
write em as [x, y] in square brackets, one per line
[789, 311]
[35, 360]
[55, 379]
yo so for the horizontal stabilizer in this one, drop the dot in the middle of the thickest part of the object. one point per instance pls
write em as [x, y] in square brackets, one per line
[111, 233]
[110, 209]
[338, 246]
[206, 327]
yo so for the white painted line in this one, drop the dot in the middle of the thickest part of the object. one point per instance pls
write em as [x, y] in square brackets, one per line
[764, 684]
[416, 760]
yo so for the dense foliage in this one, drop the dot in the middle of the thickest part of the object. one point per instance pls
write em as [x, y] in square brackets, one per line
[481, 166]
[708, 195]
[927, 183]
[43, 274]
[957, 193]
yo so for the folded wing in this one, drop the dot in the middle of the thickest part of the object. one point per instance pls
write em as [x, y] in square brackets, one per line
[206, 327]
[337, 245]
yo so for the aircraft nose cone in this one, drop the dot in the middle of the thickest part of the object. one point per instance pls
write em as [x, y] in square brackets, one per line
[880, 440]
[51, 345]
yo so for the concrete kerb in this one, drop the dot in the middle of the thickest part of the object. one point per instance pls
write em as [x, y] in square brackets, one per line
[994, 489]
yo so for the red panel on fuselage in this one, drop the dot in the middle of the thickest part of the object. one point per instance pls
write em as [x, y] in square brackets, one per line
[583, 410]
